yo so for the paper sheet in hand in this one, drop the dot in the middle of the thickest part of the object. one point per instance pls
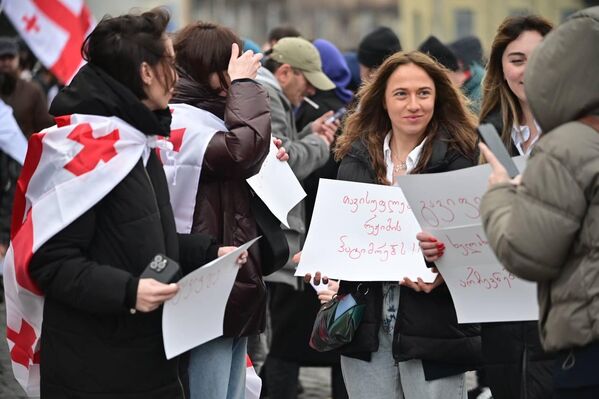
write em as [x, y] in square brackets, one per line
[277, 186]
[482, 289]
[362, 232]
[196, 314]
[447, 206]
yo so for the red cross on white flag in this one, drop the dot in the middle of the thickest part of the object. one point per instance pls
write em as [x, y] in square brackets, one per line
[96, 153]
[191, 131]
[54, 30]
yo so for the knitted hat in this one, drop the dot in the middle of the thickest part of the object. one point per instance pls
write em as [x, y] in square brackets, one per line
[468, 50]
[440, 52]
[376, 46]
[8, 46]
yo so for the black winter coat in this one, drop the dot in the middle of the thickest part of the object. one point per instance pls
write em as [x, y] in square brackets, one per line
[9, 173]
[426, 327]
[516, 366]
[92, 346]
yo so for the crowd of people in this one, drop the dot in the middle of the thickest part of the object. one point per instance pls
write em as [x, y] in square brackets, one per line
[368, 116]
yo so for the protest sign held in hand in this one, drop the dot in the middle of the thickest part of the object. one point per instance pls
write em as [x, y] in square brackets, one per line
[277, 186]
[447, 206]
[362, 232]
[196, 314]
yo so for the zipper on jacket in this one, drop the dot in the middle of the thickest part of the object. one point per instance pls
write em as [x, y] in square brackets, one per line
[159, 218]
[179, 379]
[153, 191]
[524, 376]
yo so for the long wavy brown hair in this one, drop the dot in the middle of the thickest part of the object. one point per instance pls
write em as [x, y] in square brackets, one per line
[497, 95]
[370, 122]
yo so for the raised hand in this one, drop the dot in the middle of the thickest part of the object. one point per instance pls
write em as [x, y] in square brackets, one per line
[499, 173]
[245, 66]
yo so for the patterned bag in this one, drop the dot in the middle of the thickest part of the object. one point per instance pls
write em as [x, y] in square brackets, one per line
[336, 323]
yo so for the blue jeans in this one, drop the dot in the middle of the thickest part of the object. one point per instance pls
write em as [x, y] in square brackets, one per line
[217, 369]
[381, 378]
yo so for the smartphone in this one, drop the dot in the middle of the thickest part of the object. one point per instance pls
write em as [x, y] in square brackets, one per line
[337, 115]
[163, 269]
[492, 139]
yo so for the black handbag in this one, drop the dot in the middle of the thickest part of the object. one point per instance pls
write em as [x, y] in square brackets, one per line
[274, 250]
[334, 328]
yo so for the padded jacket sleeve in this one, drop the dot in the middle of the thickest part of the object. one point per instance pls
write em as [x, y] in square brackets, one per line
[532, 227]
[239, 152]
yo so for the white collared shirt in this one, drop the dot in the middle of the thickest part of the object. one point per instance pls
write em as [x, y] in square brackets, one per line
[521, 134]
[391, 289]
[411, 160]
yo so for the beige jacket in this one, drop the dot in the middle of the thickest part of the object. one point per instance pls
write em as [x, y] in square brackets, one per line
[547, 229]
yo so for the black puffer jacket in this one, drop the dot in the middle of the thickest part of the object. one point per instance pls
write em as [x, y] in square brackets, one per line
[9, 173]
[92, 346]
[426, 326]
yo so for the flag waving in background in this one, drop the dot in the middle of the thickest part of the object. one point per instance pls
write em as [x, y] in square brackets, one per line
[54, 30]
[68, 169]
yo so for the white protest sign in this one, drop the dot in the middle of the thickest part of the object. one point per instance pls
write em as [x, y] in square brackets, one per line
[447, 206]
[196, 314]
[484, 290]
[362, 232]
[277, 186]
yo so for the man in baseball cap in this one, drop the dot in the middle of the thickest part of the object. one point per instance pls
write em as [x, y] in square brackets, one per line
[298, 69]
[301, 54]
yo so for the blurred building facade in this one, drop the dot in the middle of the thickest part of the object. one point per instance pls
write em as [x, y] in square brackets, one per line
[452, 19]
[344, 22]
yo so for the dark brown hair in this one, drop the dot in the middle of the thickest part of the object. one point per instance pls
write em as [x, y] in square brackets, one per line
[497, 95]
[370, 122]
[121, 44]
[280, 32]
[203, 48]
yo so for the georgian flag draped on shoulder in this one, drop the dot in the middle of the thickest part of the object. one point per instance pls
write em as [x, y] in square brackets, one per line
[191, 131]
[54, 30]
[68, 169]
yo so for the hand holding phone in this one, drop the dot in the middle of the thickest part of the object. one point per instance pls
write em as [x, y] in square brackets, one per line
[162, 269]
[492, 139]
[337, 115]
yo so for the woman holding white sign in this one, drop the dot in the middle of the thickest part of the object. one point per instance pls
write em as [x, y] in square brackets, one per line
[219, 83]
[411, 119]
[515, 364]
